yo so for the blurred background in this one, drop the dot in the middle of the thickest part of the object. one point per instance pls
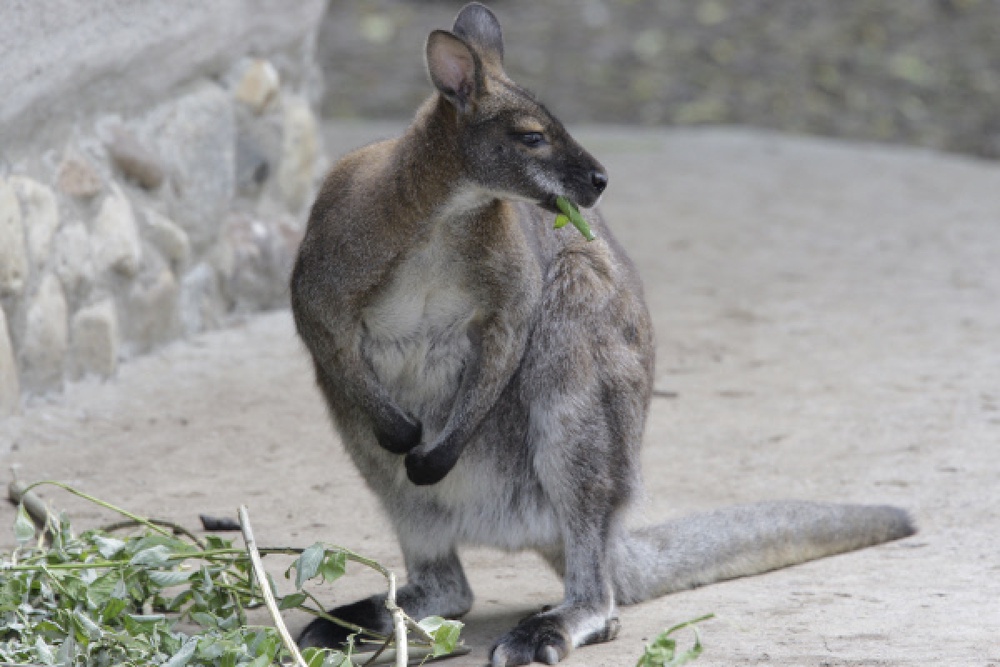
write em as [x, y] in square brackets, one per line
[920, 72]
[158, 160]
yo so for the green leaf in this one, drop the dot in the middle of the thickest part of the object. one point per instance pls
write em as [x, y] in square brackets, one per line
[216, 542]
[138, 624]
[103, 589]
[334, 566]
[166, 578]
[112, 609]
[292, 601]
[108, 547]
[43, 653]
[444, 632]
[205, 619]
[182, 657]
[662, 651]
[86, 628]
[570, 210]
[561, 221]
[314, 657]
[24, 527]
[157, 556]
[307, 565]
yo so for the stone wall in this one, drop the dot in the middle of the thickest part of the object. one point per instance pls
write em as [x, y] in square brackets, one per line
[921, 72]
[156, 163]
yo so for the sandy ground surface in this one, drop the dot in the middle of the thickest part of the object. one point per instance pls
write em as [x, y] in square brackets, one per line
[828, 318]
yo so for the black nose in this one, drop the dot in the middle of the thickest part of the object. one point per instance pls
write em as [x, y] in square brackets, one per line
[599, 180]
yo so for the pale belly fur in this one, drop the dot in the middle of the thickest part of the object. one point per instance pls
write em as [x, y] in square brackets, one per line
[416, 336]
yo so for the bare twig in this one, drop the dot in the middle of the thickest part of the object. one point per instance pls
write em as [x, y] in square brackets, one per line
[176, 527]
[265, 588]
[398, 621]
[35, 506]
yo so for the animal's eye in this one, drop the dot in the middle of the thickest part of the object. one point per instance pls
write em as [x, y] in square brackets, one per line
[531, 139]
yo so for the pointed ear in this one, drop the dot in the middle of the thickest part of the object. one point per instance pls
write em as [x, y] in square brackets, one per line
[478, 26]
[454, 69]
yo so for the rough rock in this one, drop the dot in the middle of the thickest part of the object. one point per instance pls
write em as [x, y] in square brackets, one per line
[43, 349]
[151, 306]
[135, 159]
[201, 304]
[263, 252]
[39, 216]
[168, 238]
[94, 340]
[77, 177]
[13, 250]
[115, 237]
[196, 136]
[10, 387]
[258, 85]
[258, 151]
[71, 259]
[300, 150]
[252, 165]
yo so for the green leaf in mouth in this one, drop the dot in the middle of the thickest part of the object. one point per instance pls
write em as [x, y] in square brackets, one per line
[570, 213]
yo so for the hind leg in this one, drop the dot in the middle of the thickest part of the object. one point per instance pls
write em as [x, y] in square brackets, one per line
[586, 503]
[587, 379]
[588, 480]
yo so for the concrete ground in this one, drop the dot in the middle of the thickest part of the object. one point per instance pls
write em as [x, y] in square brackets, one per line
[828, 320]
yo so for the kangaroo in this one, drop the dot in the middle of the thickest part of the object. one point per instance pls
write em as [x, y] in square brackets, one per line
[490, 376]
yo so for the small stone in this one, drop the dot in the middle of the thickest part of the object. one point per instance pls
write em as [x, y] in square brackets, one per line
[114, 237]
[263, 252]
[258, 150]
[259, 85]
[252, 166]
[71, 258]
[13, 249]
[95, 338]
[39, 215]
[135, 160]
[77, 177]
[152, 306]
[10, 387]
[299, 153]
[44, 347]
[169, 239]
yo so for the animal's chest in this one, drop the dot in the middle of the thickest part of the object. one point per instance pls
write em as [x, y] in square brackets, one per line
[416, 333]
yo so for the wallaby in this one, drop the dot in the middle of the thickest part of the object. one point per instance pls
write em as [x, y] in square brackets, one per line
[490, 376]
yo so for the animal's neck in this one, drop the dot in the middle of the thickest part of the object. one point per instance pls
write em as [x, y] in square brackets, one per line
[429, 165]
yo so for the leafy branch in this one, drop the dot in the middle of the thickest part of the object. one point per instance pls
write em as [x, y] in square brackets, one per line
[99, 598]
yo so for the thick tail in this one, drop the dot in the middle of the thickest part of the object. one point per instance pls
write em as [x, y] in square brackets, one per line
[744, 540]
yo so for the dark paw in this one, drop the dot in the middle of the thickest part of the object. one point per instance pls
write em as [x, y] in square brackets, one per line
[400, 436]
[428, 464]
[321, 633]
[369, 613]
[538, 639]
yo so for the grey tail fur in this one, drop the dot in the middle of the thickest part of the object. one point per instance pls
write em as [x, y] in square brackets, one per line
[745, 540]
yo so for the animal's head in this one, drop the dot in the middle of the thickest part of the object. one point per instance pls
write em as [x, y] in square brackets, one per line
[510, 144]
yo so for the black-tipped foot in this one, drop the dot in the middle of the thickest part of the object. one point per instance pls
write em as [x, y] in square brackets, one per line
[401, 436]
[427, 465]
[369, 613]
